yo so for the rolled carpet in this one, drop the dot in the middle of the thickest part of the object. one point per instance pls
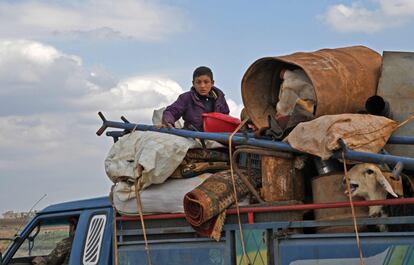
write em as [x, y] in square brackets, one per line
[205, 206]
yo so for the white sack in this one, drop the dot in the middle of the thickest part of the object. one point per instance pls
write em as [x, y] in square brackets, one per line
[157, 118]
[150, 157]
[161, 198]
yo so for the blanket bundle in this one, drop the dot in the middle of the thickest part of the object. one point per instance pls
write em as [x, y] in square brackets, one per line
[205, 206]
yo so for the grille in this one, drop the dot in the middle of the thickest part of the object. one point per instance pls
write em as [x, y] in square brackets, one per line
[94, 240]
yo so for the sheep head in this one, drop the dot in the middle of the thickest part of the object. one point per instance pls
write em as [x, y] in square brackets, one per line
[367, 181]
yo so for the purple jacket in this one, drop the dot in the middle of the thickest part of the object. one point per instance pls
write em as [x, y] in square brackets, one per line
[190, 107]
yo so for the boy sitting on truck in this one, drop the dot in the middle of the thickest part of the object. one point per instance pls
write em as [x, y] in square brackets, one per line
[203, 97]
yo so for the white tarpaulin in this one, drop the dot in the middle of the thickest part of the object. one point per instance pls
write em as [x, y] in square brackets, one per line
[163, 198]
[150, 157]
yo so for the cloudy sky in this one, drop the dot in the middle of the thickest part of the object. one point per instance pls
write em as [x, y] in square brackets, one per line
[63, 61]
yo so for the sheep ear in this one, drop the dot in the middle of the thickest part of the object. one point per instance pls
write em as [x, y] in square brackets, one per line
[386, 185]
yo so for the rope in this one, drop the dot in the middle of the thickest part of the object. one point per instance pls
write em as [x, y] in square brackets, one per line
[348, 186]
[139, 208]
[406, 121]
[141, 216]
[115, 239]
[235, 191]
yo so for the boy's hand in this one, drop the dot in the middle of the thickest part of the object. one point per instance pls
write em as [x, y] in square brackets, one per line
[164, 125]
[169, 125]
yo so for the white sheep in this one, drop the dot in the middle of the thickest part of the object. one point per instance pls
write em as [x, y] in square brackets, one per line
[367, 181]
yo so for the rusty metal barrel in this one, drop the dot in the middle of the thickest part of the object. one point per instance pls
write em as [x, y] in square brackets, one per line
[328, 188]
[343, 79]
[281, 181]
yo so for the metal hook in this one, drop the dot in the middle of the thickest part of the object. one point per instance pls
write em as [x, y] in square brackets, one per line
[343, 145]
[104, 124]
[124, 119]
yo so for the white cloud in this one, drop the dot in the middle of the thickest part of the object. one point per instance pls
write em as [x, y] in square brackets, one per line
[235, 109]
[397, 7]
[48, 119]
[139, 19]
[358, 18]
[40, 83]
[135, 98]
[134, 93]
[354, 18]
[36, 78]
[31, 70]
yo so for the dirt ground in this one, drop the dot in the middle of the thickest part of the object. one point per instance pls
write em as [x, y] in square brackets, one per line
[8, 228]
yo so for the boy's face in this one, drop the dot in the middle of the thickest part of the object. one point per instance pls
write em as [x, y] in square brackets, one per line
[203, 84]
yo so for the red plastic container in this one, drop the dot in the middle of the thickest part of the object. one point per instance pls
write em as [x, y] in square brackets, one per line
[219, 122]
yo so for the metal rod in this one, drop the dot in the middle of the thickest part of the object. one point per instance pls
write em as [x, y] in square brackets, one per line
[401, 140]
[405, 140]
[375, 158]
[220, 137]
[285, 208]
[247, 140]
[261, 151]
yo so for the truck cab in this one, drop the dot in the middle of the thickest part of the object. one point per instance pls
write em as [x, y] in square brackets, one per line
[91, 240]
[272, 234]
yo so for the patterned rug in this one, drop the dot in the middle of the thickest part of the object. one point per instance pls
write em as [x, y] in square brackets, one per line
[211, 155]
[198, 161]
[205, 206]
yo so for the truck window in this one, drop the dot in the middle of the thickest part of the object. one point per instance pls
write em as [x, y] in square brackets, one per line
[49, 241]
[43, 240]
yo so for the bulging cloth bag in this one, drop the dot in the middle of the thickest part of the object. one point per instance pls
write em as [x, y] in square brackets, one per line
[360, 132]
[158, 198]
[150, 157]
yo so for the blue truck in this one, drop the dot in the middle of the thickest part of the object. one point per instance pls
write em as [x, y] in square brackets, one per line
[272, 233]
[270, 237]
